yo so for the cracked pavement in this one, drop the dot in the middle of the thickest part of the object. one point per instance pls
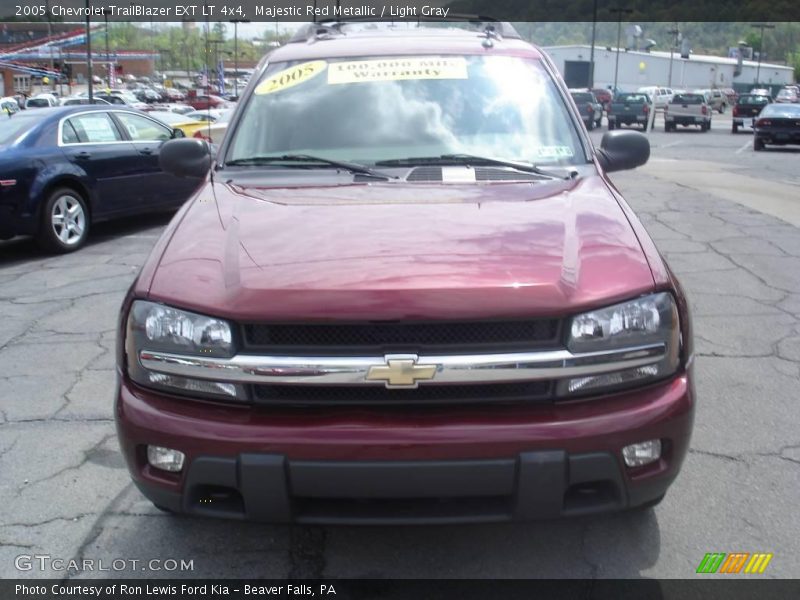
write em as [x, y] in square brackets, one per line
[65, 492]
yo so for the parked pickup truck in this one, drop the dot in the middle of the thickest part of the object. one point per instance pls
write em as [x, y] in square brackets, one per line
[746, 110]
[629, 109]
[687, 109]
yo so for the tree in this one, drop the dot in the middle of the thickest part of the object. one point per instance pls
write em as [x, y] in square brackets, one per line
[794, 62]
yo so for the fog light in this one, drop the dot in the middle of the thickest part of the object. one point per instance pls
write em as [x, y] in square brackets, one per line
[165, 459]
[644, 453]
[194, 385]
[581, 384]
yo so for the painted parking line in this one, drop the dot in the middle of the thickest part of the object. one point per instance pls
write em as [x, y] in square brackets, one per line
[743, 148]
[670, 145]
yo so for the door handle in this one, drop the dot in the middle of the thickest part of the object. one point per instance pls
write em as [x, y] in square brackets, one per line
[83, 155]
[147, 151]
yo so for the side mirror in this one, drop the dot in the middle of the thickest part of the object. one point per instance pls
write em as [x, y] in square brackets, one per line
[177, 134]
[188, 157]
[620, 150]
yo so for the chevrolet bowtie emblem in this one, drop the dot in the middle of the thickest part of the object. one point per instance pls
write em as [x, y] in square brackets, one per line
[401, 371]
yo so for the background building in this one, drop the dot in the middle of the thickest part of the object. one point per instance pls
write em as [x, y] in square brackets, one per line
[638, 69]
[57, 51]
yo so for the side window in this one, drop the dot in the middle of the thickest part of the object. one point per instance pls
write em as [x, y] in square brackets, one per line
[68, 134]
[142, 129]
[95, 128]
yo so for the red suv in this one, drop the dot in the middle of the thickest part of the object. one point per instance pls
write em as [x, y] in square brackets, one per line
[205, 102]
[405, 292]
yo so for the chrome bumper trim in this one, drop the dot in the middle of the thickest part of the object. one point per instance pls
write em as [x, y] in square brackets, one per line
[346, 370]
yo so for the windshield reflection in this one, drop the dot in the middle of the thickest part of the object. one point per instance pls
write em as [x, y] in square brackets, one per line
[505, 107]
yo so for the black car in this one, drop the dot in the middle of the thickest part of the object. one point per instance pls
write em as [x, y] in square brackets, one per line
[64, 168]
[746, 110]
[777, 124]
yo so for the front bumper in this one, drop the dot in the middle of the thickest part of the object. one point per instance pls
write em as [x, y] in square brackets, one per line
[446, 464]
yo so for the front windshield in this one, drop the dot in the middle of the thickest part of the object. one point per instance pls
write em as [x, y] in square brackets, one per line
[368, 110]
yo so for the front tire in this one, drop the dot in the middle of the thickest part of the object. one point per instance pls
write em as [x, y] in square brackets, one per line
[758, 145]
[65, 222]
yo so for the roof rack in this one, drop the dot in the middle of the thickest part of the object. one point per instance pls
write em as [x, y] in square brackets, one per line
[329, 28]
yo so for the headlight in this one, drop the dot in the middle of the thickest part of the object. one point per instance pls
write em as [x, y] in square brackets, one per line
[156, 327]
[647, 321]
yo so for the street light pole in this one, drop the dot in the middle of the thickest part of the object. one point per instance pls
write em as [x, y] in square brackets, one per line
[619, 12]
[236, 53]
[208, 51]
[89, 51]
[49, 35]
[762, 27]
[674, 33]
[153, 43]
[108, 54]
[591, 51]
[216, 43]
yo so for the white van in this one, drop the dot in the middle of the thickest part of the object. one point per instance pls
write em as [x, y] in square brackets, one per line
[661, 96]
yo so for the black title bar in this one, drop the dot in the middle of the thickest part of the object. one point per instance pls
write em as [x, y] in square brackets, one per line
[407, 10]
[732, 588]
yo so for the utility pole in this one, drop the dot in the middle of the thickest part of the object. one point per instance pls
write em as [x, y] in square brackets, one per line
[762, 27]
[49, 35]
[216, 43]
[236, 53]
[208, 51]
[89, 51]
[619, 12]
[109, 67]
[675, 33]
[153, 43]
[591, 51]
[63, 70]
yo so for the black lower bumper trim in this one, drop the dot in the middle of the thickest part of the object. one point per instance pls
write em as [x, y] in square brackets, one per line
[534, 485]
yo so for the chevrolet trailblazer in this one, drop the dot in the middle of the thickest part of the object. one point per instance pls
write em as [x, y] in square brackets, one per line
[407, 292]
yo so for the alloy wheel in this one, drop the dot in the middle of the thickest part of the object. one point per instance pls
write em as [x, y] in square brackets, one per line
[68, 220]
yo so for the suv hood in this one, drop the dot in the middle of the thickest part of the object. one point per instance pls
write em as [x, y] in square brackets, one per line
[401, 251]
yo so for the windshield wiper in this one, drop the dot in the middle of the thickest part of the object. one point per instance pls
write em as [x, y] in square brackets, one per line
[295, 161]
[468, 160]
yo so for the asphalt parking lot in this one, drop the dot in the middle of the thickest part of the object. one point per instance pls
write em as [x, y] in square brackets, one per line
[727, 219]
